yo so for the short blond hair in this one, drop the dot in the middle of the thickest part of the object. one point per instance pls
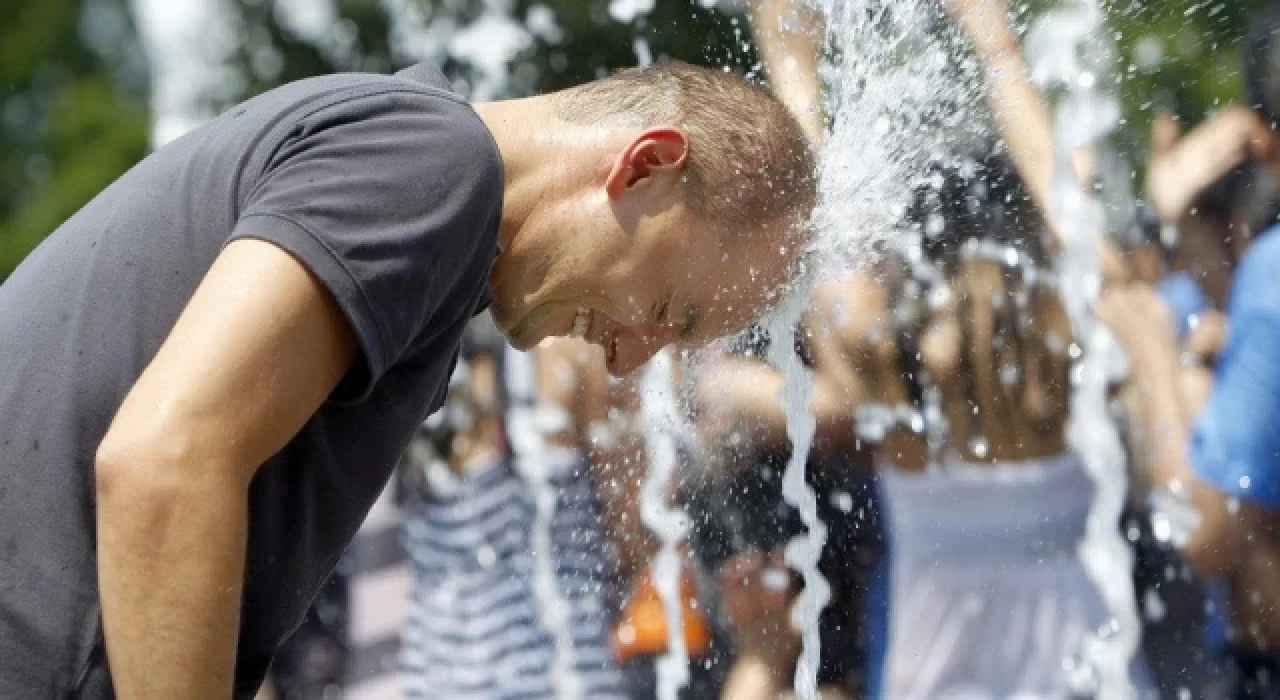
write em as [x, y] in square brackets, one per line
[749, 163]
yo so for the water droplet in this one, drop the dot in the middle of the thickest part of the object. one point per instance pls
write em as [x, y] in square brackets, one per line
[978, 445]
[777, 580]
[626, 634]
[1161, 528]
[1010, 374]
[1153, 605]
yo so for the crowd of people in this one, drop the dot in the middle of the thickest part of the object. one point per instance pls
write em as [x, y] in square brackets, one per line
[955, 504]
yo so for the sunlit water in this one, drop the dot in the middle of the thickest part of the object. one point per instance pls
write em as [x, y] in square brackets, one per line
[892, 87]
[1070, 57]
[804, 550]
[661, 415]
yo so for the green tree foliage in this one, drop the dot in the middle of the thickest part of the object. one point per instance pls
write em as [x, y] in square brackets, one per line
[72, 113]
[588, 42]
[1184, 56]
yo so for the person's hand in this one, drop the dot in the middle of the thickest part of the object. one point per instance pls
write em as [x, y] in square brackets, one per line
[756, 591]
[1181, 169]
[1207, 337]
[1141, 322]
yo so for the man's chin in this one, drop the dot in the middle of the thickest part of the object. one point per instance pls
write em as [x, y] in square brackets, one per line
[526, 333]
[523, 338]
[523, 344]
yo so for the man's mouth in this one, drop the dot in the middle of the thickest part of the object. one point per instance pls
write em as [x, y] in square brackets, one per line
[603, 337]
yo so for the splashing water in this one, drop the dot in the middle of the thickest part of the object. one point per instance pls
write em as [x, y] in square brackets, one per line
[1067, 53]
[891, 87]
[661, 415]
[532, 464]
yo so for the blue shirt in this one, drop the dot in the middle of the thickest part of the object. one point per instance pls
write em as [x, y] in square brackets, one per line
[1185, 298]
[1235, 445]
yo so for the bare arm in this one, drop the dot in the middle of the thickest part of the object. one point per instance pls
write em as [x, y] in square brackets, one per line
[1022, 114]
[255, 352]
[788, 35]
[1255, 586]
[1181, 169]
[752, 678]
[1143, 326]
[1017, 105]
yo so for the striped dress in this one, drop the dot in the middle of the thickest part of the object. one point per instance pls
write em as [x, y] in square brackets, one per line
[474, 629]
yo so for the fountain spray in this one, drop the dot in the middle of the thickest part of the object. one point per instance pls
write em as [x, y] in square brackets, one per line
[661, 416]
[1067, 53]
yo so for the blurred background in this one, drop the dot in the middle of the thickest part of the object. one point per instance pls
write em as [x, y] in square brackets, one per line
[88, 86]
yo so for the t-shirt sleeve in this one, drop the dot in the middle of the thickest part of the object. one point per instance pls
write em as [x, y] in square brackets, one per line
[1235, 445]
[387, 199]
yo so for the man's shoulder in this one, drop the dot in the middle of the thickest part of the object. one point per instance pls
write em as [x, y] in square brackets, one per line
[416, 110]
[308, 96]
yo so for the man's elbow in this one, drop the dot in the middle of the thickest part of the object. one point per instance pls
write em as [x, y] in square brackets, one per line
[154, 469]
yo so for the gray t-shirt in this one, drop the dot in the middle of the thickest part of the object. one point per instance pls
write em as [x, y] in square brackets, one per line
[389, 188]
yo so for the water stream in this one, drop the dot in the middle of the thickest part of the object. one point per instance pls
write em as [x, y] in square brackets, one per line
[1070, 58]
[661, 414]
[804, 550]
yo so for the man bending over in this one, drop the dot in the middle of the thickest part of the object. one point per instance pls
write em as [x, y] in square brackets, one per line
[210, 370]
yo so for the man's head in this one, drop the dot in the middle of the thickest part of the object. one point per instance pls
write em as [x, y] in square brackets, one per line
[662, 204]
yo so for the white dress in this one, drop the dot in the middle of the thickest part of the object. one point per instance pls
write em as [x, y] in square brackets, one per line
[988, 598]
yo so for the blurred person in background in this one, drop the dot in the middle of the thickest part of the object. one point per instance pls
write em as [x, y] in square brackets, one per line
[477, 626]
[742, 525]
[221, 357]
[1214, 456]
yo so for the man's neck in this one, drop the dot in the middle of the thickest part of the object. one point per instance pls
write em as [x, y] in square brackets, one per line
[544, 157]
[518, 127]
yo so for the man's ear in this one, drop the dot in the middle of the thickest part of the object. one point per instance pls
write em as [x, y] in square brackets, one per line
[661, 151]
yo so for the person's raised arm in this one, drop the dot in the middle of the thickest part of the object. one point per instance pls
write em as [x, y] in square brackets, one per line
[258, 348]
[1017, 105]
[789, 37]
[1144, 328]
[1021, 113]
